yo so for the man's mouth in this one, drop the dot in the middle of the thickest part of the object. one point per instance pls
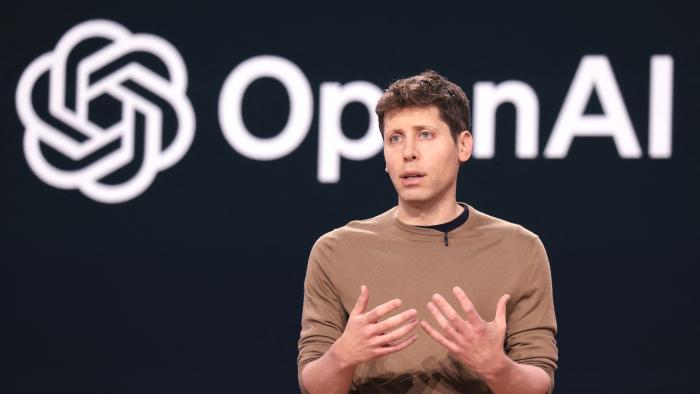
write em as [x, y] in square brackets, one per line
[412, 175]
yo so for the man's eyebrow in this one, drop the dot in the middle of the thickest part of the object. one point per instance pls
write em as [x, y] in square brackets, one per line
[421, 127]
[414, 128]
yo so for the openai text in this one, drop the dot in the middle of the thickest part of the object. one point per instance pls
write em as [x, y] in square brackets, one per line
[594, 74]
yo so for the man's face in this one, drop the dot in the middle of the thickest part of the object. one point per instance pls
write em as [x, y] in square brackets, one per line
[421, 155]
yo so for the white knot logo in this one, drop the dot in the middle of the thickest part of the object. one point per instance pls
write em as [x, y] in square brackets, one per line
[91, 84]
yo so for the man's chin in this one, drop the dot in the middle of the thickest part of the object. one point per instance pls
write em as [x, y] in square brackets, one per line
[414, 197]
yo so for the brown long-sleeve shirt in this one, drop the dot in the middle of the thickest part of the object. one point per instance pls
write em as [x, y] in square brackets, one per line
[486, 256]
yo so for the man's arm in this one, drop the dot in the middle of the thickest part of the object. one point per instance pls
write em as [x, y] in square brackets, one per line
[328, 374]
[363, 339]
[479, 346]
[511, 377]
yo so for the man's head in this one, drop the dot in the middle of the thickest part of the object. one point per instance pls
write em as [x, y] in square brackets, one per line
[423, 90]
[424, 122]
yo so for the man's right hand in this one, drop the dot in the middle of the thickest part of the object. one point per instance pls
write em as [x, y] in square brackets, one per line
[366, 338]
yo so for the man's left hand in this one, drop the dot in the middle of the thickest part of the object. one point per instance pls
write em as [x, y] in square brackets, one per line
[477, 344]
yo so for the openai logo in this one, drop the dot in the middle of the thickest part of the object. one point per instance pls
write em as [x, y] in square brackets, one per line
[94, 151]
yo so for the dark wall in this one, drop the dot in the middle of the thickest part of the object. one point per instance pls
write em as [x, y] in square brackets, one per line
[195, 284]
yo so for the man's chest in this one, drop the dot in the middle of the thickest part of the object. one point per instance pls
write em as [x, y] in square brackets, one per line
[413, 273]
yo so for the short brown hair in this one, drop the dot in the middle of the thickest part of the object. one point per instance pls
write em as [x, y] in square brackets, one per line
[425, 89]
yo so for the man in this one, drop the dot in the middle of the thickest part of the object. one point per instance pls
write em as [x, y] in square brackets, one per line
[414, 255]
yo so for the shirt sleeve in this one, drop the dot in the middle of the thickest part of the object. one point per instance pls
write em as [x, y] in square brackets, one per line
[532, 322]
[323, 316]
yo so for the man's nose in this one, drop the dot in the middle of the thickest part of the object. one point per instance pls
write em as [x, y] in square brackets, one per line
[409, 151]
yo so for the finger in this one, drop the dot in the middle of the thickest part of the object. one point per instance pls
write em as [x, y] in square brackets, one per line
[389, 338]
[472, 316]
[442, 321]
[383, 309]
[383, 351]
[439, 338]
[501, 310]
[362, 300]
[452, 316]
[394, 321]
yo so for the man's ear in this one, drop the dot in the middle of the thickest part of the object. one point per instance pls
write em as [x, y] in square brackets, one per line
[464, 144]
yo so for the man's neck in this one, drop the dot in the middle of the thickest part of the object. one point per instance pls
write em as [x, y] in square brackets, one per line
[427, 214]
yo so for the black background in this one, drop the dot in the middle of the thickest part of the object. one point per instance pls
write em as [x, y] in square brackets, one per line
[196, 285]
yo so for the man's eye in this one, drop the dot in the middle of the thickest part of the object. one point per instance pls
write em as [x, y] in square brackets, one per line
[395, 138]
[425, 134]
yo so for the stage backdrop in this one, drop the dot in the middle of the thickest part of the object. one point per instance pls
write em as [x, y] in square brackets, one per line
[167, 167]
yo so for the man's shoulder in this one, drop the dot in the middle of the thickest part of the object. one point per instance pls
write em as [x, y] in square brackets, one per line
[357, 230]
[488, 225]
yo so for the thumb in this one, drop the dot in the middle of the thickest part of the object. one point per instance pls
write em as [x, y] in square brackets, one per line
[362, 300]
[501, 310]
